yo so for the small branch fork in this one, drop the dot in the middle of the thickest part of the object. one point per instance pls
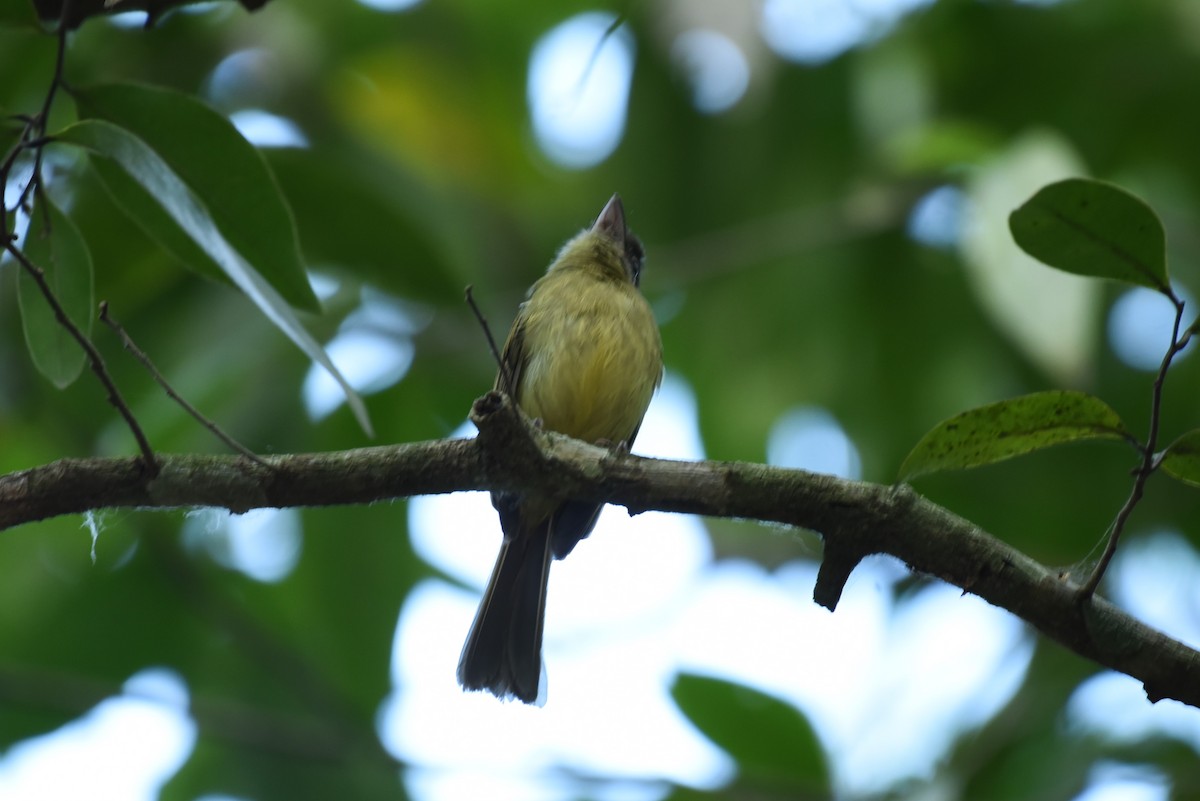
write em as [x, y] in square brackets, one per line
[1150, 458]
[34, 138]
[95, 360]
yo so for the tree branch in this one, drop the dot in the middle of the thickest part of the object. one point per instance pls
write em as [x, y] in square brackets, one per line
[855, 518]
[80, 10]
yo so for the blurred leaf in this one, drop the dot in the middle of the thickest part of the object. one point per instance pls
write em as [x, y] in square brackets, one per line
[1025, 751]
[267, 771]
[225, 172]
[1010, 428]
[88, 658]
[1173, 755]
[341, 603]
[157, 178]
[345, 220]
[1043, 765]
[1182, 458]
[691, 794]
[1050, 316]
[54, 244]
[942, 144]
[770, 740]
[444, 117]
[331, 620]
[1096, 229]
[17, 13]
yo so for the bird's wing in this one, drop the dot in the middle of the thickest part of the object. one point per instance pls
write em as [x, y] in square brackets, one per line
[508, 381]
[512, 360]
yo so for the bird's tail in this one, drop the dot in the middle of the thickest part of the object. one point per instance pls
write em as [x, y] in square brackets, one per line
[503, 652]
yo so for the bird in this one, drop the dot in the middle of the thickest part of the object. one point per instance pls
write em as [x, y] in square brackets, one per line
[583, 358]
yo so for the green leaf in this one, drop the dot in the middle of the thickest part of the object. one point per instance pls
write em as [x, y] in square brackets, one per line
[225, 172]
[185, 209]
[1181, 459]
[347, 219]
[54, 244]
[1096, 229]
[1010, 428]
[771, 741]
[142, 207]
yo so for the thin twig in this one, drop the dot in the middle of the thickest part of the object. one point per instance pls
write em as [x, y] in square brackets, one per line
[95, 360]
[613, 27]
[141, 356]
[487, 331]
[1149, 461]
[10, 160]
[38, 122]
[34, 137]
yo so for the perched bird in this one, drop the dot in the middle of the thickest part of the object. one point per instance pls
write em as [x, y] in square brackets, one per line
[584, 357]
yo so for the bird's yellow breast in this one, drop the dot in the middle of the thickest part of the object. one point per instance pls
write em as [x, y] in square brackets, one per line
[594, 356]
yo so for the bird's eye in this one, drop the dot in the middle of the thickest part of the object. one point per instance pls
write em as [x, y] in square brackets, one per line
[635, 254]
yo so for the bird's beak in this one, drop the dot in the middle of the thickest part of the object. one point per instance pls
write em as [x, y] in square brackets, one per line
[611, 221]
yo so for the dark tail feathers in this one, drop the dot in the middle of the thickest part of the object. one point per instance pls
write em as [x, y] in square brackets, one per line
[503, 652]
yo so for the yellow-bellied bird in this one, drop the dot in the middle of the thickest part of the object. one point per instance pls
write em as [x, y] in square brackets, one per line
[583, 356]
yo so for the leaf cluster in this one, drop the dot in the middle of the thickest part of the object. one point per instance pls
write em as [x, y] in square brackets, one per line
[1088, 228]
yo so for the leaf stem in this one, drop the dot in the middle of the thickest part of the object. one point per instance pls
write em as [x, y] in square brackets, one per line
[1150, 461]
[34, 135]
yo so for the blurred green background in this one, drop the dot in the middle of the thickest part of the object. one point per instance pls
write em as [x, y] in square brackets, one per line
[823, 190]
